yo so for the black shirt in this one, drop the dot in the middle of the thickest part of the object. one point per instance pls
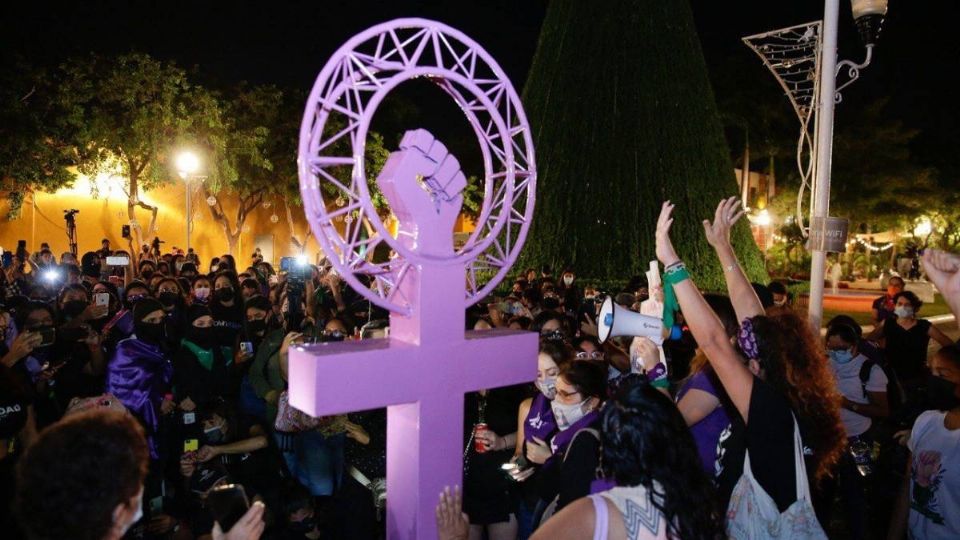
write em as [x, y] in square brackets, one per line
[769, 438]
[906, 350]
[13, 413]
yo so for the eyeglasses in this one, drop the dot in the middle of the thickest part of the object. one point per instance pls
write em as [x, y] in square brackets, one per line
[595, 355]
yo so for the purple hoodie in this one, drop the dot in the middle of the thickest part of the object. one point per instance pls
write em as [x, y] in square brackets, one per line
[139, 375]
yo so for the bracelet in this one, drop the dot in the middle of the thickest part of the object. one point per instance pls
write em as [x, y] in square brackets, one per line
[677, 275]
[674, 267]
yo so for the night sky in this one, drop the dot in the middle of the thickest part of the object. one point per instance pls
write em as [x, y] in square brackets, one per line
[286, 43]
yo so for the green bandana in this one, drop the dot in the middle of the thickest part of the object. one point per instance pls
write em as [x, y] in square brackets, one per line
[670, 304]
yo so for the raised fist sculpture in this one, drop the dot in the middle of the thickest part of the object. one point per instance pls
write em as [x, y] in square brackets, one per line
[423, 184]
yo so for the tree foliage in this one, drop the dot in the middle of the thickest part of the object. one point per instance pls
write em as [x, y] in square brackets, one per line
[623, 117]
[128, 115]
[35, 154]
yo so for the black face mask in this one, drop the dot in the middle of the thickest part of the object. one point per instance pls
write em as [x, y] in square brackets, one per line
[71, 334]
[941, 393]
[149, 333]
[146, 275]
[168, 298]
[303, 526]
[73, 308]
[225, 294]
[550, 303]
[132, 300]
[204, 337]
[257, 326]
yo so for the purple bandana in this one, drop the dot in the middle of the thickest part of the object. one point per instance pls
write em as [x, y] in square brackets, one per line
[748, 341]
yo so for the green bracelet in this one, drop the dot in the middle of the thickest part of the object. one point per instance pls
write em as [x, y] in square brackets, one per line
[678, 275]
[660, 383]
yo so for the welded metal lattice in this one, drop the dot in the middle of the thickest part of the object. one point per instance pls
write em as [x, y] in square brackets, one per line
[793, 56]
[333, 179]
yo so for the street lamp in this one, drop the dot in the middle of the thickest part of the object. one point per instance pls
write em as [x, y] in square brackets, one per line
[868, 15]
[187, 166]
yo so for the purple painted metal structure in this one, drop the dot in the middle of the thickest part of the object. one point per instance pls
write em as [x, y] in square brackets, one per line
[422, 371]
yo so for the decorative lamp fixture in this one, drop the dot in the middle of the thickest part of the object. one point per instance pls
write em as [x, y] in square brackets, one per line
[211, 200]
[869, 14]
[187, 163]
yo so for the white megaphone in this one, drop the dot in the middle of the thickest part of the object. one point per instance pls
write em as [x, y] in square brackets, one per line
[615, 320]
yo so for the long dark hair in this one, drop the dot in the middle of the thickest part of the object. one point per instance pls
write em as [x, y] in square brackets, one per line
[645, 440]
[795, 365]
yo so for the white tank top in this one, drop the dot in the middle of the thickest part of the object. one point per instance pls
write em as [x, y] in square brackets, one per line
[640, 517]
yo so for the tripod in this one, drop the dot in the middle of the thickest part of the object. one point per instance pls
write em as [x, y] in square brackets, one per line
[68, 216]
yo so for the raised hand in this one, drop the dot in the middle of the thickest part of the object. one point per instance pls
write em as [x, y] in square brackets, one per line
[728, 212]
[644, 354]
[424, 185]
[452, 523]
[665, 252]
[943, 269]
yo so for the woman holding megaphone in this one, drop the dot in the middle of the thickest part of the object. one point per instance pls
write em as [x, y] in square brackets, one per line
[774, 376]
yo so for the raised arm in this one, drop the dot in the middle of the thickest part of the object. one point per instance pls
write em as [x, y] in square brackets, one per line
[742, 294]
[704, 323]
[943, 269]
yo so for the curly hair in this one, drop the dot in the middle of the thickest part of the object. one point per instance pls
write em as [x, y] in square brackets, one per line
[646, 442]
[795, 365]
[77, 472]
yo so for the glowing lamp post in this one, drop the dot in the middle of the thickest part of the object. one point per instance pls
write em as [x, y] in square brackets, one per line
[187, 166]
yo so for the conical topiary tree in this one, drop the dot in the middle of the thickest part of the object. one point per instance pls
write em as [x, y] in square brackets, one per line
[623, 117]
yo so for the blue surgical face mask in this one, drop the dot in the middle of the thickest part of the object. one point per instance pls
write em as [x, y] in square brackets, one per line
[841, 356]
[903, 312]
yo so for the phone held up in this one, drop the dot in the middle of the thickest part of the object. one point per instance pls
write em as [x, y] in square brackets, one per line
[228, 504]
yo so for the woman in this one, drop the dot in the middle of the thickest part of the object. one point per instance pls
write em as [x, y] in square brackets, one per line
[569, 293]
[227, 308]
[535, 424]
[775, 374]
[490, 438]
[200, 290]
[863, 386]
[170, 295]
[77, 349]
[203, 371]
[120, 327]
[701, 399]
[551, 325]
[930, 494]
[140, 372]
[18, 427]
[906, 340]
[571, 456]
[650, 456]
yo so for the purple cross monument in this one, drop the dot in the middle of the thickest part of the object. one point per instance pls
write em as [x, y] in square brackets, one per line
[423, 369]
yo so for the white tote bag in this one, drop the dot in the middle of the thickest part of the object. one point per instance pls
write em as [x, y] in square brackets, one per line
[752, 513]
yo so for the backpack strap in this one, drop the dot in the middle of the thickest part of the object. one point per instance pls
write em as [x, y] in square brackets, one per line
[865, 370]
[591, 431]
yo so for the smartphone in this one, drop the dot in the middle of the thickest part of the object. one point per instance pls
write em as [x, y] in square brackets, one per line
[191, 445]
[7, 259]
[246, 347]
[118, 260]
[286, 263]
[102, 299]
[228, 504]
[156, 506]
[47, 337]
[125, 231]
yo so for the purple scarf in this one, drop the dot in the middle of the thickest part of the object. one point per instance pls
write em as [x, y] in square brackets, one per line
[139, 376]
[540, 422]
[562, 439]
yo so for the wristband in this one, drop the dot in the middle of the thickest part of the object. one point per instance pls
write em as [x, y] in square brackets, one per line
[660, 383]
[657, 373]
[672, 276]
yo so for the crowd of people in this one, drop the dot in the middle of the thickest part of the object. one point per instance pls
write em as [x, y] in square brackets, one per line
[136, 387]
